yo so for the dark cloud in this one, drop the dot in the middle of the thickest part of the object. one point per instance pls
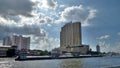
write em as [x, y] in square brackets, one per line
[52, 3]
[44, 19]
[6, 30]
[15, 7]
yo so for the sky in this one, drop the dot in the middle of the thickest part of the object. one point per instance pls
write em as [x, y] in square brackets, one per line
[42, 21]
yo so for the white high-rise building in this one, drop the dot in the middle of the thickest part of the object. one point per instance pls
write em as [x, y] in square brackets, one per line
[19, 41]
[7, 41]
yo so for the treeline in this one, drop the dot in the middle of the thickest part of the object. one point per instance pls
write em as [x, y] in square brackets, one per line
[12, 52]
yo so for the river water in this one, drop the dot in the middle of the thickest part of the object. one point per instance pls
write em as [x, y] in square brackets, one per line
[101, 62]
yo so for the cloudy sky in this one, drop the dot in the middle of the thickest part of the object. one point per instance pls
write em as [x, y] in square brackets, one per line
[42, 21]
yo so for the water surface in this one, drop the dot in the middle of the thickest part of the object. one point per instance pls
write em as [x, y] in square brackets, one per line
[102, 62]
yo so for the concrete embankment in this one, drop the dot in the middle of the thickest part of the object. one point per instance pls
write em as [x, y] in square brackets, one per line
[50, 58]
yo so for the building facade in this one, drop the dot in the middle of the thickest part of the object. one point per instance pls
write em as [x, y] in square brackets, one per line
[98, 48]
[19, 41]
[70, 36]
[7, 41]
[3, 50]
[83, 49]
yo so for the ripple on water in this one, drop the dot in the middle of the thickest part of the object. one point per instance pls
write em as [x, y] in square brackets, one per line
[6, 65]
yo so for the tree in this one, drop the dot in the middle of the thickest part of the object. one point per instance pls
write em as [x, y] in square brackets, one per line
[44, 52]
[10, 52]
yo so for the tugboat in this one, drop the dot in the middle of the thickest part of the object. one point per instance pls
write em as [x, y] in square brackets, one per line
[55, 53]
[21, 57]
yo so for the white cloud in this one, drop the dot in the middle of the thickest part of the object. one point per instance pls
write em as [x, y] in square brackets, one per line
[104, 37]
[38, 19]
[103, 46]
[45, 43]
[102, 43]
[50, 43]
[45, 20]
[91, 15]
[106, 47]
[62, 6]
[77, 13]
[2, 19]
[47, 4]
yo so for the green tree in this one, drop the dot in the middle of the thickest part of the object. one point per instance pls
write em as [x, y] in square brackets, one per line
[10, 52]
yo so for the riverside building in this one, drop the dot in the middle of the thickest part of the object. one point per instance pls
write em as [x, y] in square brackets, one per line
[19, 41]
[98, 48]
[70, 38]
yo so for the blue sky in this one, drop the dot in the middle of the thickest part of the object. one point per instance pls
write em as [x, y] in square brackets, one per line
[42, 21]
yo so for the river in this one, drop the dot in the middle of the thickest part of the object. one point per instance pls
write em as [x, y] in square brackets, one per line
[99, 62]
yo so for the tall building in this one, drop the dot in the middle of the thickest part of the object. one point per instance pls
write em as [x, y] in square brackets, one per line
[19, 41]
[24, 43]
[70, 36]
[14, 40]
[98, 48]
[6, 41]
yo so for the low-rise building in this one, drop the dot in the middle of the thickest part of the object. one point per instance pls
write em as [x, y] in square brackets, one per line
[3, 50]
[56, 52]
[34, 52]
[82, 49]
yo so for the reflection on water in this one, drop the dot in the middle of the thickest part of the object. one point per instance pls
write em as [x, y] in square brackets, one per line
[6, 62]
[102, 62]
[73, 63]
